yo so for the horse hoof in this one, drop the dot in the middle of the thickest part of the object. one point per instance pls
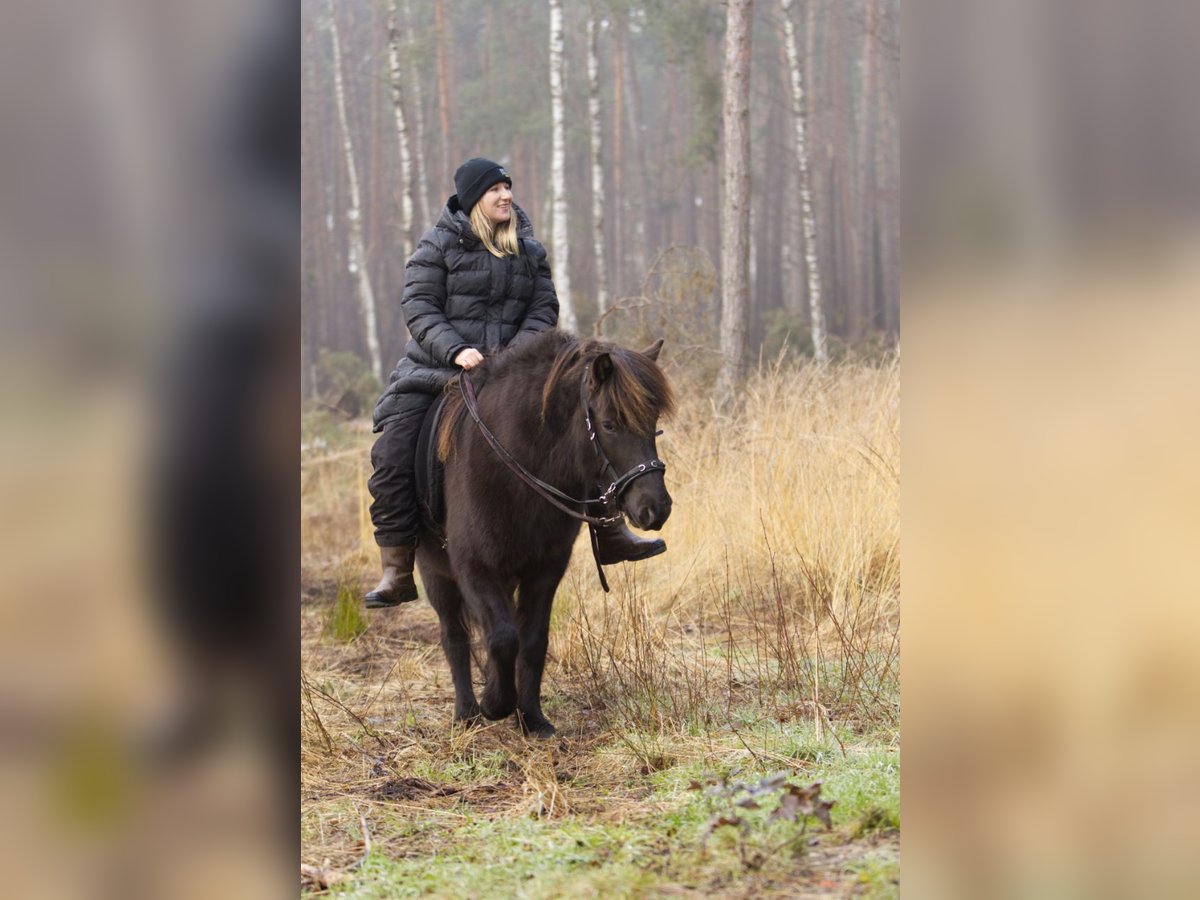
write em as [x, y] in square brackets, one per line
[468, 717]
[536, 726]
[496, 709]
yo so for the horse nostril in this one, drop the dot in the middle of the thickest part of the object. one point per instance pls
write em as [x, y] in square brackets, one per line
[652, 515]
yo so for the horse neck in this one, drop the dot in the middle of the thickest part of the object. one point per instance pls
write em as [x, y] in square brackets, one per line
[557, 449]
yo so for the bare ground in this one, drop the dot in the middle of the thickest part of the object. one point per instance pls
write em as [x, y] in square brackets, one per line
[382, 763]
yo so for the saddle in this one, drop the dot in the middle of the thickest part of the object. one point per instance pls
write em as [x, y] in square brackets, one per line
[430, 494]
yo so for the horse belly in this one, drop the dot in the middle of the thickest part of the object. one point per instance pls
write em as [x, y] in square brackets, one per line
[510, 545]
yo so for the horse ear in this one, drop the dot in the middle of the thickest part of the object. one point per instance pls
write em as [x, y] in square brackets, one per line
[601, 368]
[652, 350]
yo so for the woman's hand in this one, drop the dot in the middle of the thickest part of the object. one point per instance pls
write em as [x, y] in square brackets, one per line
[468, 358]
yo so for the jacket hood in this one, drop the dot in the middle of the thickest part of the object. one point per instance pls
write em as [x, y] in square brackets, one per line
[454, 219]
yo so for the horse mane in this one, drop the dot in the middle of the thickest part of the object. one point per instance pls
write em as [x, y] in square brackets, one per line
[635, 392]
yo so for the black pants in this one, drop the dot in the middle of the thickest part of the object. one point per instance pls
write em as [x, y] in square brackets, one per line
[393, 483]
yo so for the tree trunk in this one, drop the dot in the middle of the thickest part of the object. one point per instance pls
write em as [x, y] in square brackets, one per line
[669, 211]
[562, 279]
[443, 81]
[889, 190]
[820, 82]
[643, 238]
[428, 210]
[593, 72]
[312, 299]
[618, 154]
[735, 215]
[777, 171]
[867, 159]
[846, 246]
[358, 256]
[373, 136]
[406, 197]
[799, 114]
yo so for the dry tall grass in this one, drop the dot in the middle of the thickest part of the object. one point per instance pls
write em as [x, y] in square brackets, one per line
[781, 582]
[772, 619]
[783, 562]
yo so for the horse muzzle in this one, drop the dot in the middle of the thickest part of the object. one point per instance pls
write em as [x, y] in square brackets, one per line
[648, 511]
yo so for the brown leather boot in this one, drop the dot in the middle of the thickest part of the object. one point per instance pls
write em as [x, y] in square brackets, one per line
[616, 543]
[397, 585]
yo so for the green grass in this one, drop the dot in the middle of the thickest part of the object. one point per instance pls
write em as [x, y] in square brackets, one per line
[516, 857]
[613, 846]
[346, 621]
[471, 768]
[876, 877]
[865, 783]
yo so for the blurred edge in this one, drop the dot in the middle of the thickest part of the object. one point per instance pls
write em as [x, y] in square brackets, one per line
[1050, 492]
[1051, 499]
[149, 332]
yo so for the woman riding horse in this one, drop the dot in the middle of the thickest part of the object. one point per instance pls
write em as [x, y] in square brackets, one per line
[477, 283]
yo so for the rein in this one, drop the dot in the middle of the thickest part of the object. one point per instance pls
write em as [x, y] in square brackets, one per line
[552, 495]
[549, 492]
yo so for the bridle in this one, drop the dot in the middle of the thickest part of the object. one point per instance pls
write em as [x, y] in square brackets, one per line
[619, 482]
[548, 491]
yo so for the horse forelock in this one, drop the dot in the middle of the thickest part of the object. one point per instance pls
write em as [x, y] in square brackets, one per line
[637, 393]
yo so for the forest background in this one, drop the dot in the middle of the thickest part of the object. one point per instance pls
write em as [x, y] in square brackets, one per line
[425, 85]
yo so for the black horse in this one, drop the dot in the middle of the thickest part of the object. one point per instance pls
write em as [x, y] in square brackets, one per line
[579, 415]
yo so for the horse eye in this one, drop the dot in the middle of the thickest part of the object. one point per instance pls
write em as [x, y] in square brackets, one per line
[608, 426]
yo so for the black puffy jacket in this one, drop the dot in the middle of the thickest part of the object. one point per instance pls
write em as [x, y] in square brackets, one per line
[458, 295]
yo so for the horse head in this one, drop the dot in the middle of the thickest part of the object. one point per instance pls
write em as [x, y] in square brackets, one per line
[625, 394]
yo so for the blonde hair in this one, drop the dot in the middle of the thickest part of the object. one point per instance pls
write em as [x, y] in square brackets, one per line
[500, 239]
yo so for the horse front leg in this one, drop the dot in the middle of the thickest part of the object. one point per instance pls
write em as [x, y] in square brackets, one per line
[491, 605]
[533, 625]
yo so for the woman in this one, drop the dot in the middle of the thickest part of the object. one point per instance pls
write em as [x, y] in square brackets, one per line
[478, 282]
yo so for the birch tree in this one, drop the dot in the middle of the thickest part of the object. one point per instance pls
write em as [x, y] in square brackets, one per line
[558, 177]
[357, 263]
[443, 83]
[637, 133]
[406, 197]
[414, 83]
[735, 214]
[808, 219]
[618, 158]
[867, 160]
[593, 72]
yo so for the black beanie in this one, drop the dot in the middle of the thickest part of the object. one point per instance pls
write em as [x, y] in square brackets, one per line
[473, 179]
